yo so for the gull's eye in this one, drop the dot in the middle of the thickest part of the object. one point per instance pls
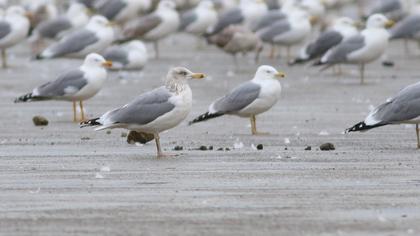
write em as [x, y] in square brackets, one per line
[183, 73]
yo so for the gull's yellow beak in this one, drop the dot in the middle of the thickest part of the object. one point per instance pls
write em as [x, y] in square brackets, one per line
[107, 64]
[29, 15]
[198, 76]
[389, 24]
[358, 24]
[280, 75]
[111, 24]
[313, 20]
[88, 12]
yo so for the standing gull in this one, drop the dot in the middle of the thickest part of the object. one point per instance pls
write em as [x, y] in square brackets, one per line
[155, 111]
[199, 20]
[76, 85]
[362, 48]
[75, 17]
[132, 55]
[96, 36]
[404, 108]
[237, 39]
[407, 29]
[248, 99]
[342, 29]
[289, 31]
[121, 11]
[248, 13]
[155, 26]
[14, 28]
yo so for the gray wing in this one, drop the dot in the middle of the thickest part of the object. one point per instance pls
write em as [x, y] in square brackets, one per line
[268, 34]
[231, 17]
[75, 42]
[110, 8]
[406, 28]
[144, 109]
[140, 26]
[270, 18]
[403, 107]
[187, 18]
[67, 84]
[51, 28]
[4, 29]
[323, 43]
[386, 6]
[116, 54]
[340, 53]
[238, 98]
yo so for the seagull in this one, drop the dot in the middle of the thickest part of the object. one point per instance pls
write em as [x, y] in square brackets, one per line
[248, 99]
[75, 85]
[237, 39]
[199, 20]
[342, 29]
[155, 26]
[362, 48]
[248, 13]
[401, 109]
[121, 11]
[96, 36]
[392, 9]
[14, 28]
[408, 28]
[155, 111]
[289, 31]
[40, 10]
[132, 55]
[75, 17]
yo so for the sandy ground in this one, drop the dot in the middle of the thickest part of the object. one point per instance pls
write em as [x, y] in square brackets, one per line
[63, 180]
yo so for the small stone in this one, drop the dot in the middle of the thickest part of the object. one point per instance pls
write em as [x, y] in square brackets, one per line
[308, 148]
[40, 121]
[327, 147]
[260, 147]
[123, 134]
[210, 147]
[178, 148]
[139, 137]
[227, 149]
[220, 149]
[203, 148]
[84, 138]
[108, 132]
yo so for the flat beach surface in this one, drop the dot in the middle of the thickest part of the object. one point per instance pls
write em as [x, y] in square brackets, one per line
[63, 180]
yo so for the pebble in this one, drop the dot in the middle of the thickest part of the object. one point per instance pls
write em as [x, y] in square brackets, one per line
[327, 147]
[40, 121]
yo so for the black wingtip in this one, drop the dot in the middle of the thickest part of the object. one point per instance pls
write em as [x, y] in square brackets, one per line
[318, 63]
[204, 117]
[38, 57]
[24, 98]
[361, 126]
[297, 61]
[92, 122]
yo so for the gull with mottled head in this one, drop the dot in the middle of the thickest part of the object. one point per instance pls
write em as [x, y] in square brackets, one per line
[155, 111]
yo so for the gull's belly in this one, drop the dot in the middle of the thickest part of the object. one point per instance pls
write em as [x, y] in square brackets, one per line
[167, 27]
[260, 105]
[164, 122]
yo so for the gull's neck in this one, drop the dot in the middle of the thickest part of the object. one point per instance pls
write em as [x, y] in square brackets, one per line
[175, 86]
